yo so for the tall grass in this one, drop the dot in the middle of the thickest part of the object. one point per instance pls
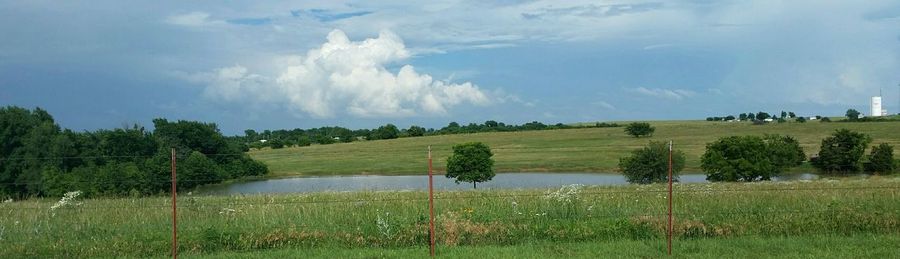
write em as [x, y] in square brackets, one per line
[142, 226]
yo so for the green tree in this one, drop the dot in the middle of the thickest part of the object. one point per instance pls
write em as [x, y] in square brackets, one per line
[638, 129]
[276, 143]
[388, 131]
[784, 151]
[792, 115]
[762, 116]
[881, 160]
[738, 158]
[471, 162]
[842, 151]
[801, 119]
[784, 114]
[415, 131]
[651, 164]
[742, 116]
[196, 170]
[852, 115]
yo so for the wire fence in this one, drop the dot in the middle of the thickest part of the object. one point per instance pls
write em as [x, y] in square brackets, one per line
[196, 212]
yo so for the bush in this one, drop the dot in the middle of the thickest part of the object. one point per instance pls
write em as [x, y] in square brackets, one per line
[842, 151]
[276, 144]
[784, 151]
[801, 119]
[651, 164]
[738, 158]
[881, 160]
[638, 129]
[825, 119]
[471, 163]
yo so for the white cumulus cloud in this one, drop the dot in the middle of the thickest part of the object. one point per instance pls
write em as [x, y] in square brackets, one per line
[344, 76]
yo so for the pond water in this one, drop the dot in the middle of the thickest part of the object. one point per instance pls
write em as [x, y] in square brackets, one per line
[420, 182]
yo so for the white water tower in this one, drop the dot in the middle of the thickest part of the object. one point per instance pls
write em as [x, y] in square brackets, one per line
[876, 107]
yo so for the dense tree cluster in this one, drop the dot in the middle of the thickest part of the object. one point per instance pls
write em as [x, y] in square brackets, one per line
[750, 158]
[38, 158]
[329, 135]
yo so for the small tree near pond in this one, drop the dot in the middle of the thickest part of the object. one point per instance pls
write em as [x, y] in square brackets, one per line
[651, 164]
[471, 163]
[882, 159]
[750, 158]
[842, 151]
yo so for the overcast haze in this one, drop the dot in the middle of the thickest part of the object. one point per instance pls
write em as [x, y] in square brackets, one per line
[247, 64]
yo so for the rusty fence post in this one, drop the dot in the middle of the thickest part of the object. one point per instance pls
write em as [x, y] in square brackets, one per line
[174, 209]
[431, 201]
[670, 230]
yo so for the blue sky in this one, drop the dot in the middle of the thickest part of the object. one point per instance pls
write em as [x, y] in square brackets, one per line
[263, 65]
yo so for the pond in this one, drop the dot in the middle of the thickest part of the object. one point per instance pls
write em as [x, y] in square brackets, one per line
[420, 182]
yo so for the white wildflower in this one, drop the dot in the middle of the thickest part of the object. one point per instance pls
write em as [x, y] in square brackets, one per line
[566, 193]
[515, 206]
[383, 226]
[68, 199]
[228, 211]
[8, 200]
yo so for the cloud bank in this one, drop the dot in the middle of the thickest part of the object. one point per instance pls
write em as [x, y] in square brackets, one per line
[346, 77]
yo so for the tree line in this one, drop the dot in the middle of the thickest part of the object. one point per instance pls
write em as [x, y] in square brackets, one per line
[762, 116]
[39, 158]
[754, 158]
[328, 135]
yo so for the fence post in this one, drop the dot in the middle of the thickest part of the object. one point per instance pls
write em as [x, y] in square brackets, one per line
[431, 202]
[174, 209]
[670, 230]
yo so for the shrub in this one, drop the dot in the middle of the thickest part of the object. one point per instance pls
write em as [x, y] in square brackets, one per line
[881, 160]
[842, 151]
[801, 119]
[651, 164]
[471, 163]
[784, 151]
[276, 144]
[738, 158]
[638, 129]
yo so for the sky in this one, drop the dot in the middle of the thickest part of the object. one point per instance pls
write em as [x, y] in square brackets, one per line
[360, 64]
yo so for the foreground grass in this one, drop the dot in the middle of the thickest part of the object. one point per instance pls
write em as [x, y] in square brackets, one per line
[572, 150]
[812, 246]
[398, 220]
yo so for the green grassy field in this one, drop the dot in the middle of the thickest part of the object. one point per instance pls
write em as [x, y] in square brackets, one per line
[394, 224]
[814, 246]
[572, 150]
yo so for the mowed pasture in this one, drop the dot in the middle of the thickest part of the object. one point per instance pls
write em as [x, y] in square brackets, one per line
[569, 150]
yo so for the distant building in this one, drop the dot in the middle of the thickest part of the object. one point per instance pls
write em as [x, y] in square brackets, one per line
[768, 120]
[263, 141]
[877, 111]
